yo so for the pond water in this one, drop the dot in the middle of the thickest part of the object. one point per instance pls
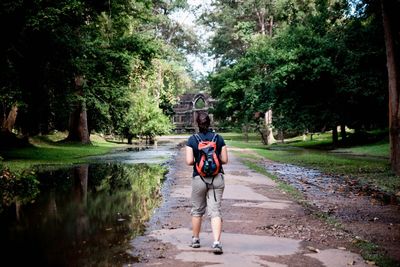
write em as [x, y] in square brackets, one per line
[84, 215]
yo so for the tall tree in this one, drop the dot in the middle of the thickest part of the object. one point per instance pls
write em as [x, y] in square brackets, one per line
[71, 65]
[391, 25]
[235, 23]
[313, 73]
[78, 124]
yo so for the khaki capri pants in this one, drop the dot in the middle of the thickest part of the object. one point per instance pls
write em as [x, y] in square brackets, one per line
[203, 196]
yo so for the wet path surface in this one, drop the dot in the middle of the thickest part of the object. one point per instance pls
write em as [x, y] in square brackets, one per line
[262, 227]
[149, 154]
[89, 215]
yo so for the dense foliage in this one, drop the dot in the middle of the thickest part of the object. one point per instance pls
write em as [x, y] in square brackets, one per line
[117, 67]
[60, 57]
[315, 71]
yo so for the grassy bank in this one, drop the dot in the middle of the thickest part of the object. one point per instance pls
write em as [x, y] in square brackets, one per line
[294, 193]
[370, 252]
[48, 150]
[368, 163]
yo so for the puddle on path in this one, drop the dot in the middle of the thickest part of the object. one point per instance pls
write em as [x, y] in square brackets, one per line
[156, 154]
[361, 208]
[317, 185]
[306, 180]
[369, 213]
[82, 215]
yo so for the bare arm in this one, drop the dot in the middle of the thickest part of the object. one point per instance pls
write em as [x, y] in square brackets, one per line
[189, 156]
[224, 155]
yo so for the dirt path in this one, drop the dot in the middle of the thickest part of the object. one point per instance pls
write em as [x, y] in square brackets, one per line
[362, 209]
[262, 227]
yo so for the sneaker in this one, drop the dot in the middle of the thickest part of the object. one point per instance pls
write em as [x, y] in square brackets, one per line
[195, 242]
[217, 248]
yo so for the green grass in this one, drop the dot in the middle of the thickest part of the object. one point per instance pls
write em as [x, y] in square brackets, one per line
[369, 163]
[47, 150]
[323, 140]
[239, 140]
[290, 190]
[373, 253]
[253, 137]
[335, 163]
[287, 188]
[380, 149]
[254, 141]
[369, 170]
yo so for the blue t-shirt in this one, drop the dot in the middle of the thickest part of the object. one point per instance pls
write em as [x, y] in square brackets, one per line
[192, 142]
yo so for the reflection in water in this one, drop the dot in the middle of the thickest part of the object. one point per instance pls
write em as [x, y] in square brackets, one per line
[84, 216]
[18, 190]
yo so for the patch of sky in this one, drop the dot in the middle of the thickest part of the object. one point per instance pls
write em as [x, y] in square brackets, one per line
[201, 63]
[356, 7]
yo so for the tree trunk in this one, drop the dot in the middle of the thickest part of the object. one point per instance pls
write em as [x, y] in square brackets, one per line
[78, 126]
[262, 134]
[151, 140]
[78, 129]
[261, 20]
[343, 132]
[130, 137]
[268, 122]
[271, 25]
[246, 132]
[81, 175]
[52, 210]
[18, 208]
[281, 136]
[335, 137]
[7, 138]
[9, 122]
[270, 135]
[390, 11]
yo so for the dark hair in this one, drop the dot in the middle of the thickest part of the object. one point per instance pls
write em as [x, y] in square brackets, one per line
[203, 121]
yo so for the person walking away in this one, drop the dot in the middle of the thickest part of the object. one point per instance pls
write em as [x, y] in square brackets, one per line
[206, 152]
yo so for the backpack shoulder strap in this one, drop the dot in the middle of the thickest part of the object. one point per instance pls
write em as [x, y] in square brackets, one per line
[214, 139]
[198, 138]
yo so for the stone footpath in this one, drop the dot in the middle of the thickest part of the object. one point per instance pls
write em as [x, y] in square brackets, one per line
[262, 226]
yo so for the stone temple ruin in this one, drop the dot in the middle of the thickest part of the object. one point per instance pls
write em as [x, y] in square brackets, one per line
[185, 110]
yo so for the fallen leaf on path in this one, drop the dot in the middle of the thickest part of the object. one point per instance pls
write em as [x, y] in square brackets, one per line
[313, 249]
